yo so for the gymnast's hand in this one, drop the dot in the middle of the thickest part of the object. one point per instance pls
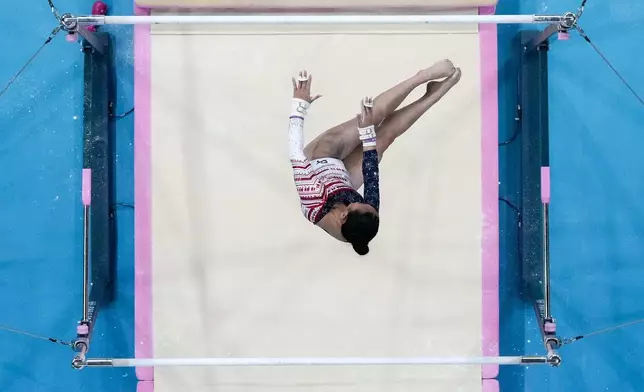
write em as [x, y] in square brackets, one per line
[366, 117]
[302, 87]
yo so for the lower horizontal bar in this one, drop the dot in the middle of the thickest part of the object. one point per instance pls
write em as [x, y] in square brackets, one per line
[72, 21]
[422, 361]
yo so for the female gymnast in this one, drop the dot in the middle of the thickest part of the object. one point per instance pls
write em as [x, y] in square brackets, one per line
[329, 170]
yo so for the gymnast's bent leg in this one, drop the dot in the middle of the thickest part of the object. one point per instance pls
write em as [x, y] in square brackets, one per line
[339, 141]
[398, 123]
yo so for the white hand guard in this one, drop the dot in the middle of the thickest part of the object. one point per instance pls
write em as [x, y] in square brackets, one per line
[368, 136]
[299, 107]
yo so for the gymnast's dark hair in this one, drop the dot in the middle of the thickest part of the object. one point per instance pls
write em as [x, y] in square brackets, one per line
[359, 229]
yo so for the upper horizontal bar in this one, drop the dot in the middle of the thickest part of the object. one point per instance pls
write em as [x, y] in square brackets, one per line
[148, 362]
[70, 20]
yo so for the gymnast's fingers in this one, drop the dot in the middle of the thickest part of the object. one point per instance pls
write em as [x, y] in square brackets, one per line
[364, 109]
[303, 79]
[309, 80]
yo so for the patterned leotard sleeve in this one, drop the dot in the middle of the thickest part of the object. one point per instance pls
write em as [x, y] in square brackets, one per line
[299, 163]
[296, 132]
[371, 178]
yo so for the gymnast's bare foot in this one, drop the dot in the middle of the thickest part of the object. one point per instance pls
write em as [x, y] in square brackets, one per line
[440, 70]
[438, 89]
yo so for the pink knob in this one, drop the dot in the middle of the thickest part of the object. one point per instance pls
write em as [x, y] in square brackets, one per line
[91, 28]
[550, 327]
[99, 8]
[545, 184]
[563, 36]
[82, 329]
[71, 37]
[87, 187]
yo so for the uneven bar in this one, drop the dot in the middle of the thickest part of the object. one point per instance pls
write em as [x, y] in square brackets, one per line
[358, 361]
[534, 128]
[97, 157]
[72, 22]
[535, 184]
[98, 264]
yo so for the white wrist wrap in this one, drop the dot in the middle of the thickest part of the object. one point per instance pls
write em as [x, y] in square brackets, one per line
[299, 107]
[367, 133]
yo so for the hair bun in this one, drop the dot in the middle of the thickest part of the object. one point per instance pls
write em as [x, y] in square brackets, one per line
[361, 249]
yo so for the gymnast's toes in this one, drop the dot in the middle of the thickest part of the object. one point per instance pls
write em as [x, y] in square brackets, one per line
[439, 70]
[443, 86]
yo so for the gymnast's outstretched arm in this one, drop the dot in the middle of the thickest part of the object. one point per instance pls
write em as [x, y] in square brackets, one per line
[300, 104]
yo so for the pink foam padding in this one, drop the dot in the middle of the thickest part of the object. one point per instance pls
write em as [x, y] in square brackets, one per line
[545, 184]
[145, 386]
[143, 343]
[490, 181]
[563, 36]
[490, 241]
[491, 386]
[550, 327]
[87, 186]
[82, 329]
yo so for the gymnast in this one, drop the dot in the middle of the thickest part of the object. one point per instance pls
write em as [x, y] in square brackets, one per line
[331, 168]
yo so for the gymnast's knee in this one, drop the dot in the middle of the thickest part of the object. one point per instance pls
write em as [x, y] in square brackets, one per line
[359, 228]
